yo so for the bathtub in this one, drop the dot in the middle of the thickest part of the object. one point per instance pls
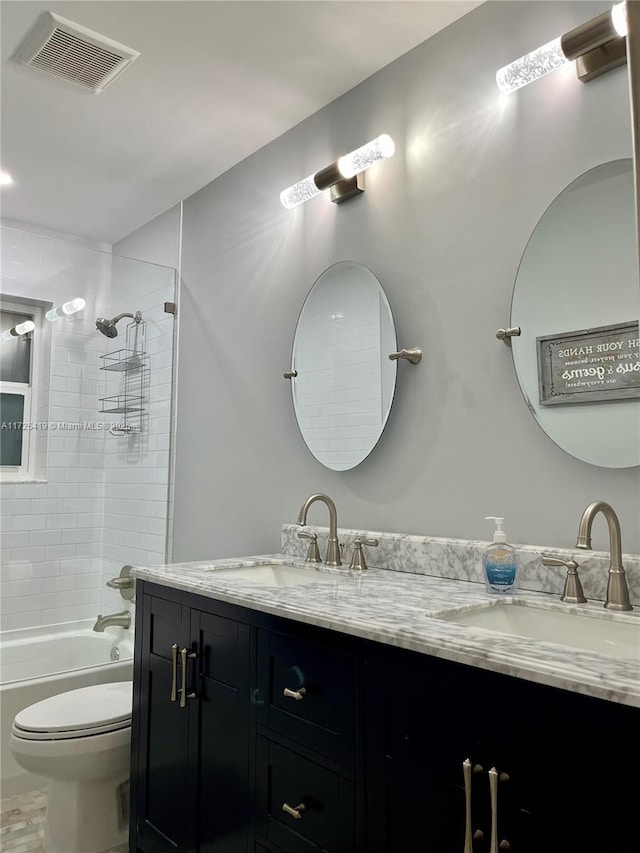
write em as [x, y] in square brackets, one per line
[36, 663]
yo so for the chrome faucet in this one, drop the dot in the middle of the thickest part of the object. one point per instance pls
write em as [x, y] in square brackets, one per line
[617, 590]
[121, 619]
[333, 546]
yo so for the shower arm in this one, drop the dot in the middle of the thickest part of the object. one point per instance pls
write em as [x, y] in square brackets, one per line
[137, 317]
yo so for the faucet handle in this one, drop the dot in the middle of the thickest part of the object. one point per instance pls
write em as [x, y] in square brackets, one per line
[125, 583]
[357, 560]
[313, 553]
[572, 592]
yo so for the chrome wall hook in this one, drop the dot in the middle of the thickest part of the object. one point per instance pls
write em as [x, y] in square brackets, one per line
[505, 335]
[290, 374]
[413, 355]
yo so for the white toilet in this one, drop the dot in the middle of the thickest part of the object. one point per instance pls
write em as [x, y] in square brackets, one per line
[80, 742]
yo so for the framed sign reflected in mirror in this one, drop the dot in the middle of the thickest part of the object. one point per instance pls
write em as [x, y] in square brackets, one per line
[342, 380]
[577, 303]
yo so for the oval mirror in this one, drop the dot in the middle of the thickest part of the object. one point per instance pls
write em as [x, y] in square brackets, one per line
[344, 382]
[577, 302]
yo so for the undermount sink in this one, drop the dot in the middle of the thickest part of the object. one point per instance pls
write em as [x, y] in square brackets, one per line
[272, 574]
[614, 637]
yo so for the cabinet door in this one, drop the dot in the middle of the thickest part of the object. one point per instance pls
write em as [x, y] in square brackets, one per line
[224, 813]
[573, 765]
[423, 720]
[162, 730]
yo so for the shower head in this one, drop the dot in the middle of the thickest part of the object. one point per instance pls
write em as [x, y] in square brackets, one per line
[108, 327]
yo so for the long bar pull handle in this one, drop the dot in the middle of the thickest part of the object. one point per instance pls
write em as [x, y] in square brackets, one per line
[192, 694]
[296, 813]
[493, 788]
[468, 838]
[183, 687]
[185, 655]
[174, 672]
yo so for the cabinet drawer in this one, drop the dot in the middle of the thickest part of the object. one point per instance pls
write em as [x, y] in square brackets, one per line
[325, 679]
[328, 815]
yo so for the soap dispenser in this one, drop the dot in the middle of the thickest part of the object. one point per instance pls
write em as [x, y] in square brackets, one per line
[500, 562]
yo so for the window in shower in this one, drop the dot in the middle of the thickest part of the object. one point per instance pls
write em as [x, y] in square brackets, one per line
[18, 391]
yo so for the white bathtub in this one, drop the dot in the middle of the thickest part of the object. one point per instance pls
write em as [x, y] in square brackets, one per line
[36, 663]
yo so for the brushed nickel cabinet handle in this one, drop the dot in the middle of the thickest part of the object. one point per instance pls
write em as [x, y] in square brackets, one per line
[294, 694]
[468, 839]
[295, 812]
[493, 788]
[183, 673]
[174, 672]
[192, 694]
[185, 655]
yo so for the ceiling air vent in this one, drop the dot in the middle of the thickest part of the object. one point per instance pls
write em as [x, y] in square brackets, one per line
[67, 50]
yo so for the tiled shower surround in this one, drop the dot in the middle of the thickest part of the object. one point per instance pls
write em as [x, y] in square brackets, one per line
[99, 500]
[137, 467]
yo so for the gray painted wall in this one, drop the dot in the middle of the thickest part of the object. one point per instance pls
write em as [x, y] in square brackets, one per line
[157, 242]
[443, 226]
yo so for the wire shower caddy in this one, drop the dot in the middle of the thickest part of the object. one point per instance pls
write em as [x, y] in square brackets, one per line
[131, 363]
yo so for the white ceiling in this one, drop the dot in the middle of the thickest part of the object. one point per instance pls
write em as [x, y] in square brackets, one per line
[215, 82]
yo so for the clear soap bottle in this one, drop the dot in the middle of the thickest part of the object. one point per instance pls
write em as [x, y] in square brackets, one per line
[500, 562]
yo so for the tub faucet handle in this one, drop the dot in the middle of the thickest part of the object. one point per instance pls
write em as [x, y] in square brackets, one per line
[125, 583]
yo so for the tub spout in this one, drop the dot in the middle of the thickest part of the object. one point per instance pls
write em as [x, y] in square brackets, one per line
[122, 620]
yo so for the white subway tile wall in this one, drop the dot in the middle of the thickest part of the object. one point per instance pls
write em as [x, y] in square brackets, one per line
[104, 499]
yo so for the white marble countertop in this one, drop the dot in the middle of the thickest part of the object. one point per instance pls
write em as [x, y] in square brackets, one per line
[401, 609]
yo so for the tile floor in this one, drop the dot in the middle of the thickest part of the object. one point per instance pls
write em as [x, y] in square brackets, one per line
[22, 823]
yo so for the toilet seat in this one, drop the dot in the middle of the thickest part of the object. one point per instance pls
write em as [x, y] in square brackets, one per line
[85, 712]
[26, 734]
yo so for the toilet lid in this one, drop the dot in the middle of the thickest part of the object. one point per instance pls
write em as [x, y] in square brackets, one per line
[76, 713]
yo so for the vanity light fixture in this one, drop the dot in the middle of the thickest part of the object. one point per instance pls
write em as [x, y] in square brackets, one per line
[67, 308]
[345, 177]
[597, 46]
[5, 179]
[17, 331]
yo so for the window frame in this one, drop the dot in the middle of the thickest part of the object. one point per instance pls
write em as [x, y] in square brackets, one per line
[26, 471]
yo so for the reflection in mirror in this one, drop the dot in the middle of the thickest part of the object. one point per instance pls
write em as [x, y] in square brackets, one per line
[576, 300]
[344, 382]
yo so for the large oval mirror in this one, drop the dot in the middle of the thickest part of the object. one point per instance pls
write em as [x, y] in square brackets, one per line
[344, 381]
[577, 302]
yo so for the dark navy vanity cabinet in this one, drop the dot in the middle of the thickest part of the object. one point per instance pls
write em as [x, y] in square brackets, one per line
[255, 733]
[192, 744]
[562, 763]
